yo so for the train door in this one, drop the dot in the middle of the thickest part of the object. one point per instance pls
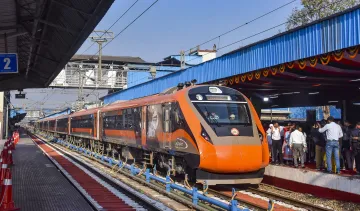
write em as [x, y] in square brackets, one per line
[166, 126]
[95, 125]
[137, 124]
[143, 125]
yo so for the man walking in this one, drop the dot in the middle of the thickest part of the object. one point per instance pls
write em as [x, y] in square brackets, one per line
[298, 145]
[333, 134]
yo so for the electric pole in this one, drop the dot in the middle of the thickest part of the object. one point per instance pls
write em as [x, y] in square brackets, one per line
[182, 59]
[100, 37]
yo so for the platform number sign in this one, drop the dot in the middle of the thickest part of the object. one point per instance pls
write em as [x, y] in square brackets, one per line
[8, 63]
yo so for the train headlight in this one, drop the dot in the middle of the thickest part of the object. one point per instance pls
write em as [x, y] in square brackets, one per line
[205, 135]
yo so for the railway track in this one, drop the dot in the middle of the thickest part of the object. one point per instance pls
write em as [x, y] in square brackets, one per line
[181, 199]
[226, 195]
[249, 204]
[270, 195]
[288, 200]
[143, 202]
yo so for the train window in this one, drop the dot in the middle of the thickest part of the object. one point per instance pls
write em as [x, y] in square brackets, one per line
[62, 125]
[129, 118]
[118, 122]
[52, 123]
[177, 117]
[224, 113]
[137, 118]
[82, 123]
[110, 122]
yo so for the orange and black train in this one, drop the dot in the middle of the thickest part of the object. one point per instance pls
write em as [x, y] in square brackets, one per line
[211, 133]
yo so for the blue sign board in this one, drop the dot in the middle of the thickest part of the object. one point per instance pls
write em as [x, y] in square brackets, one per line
[8, 63]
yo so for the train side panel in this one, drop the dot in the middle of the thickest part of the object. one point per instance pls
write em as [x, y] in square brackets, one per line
[83, 126]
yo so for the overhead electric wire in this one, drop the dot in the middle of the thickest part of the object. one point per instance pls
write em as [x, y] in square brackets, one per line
[112, 25]
[244, 24]
[117, 35]
[121, 16]
[253, 35]
[227, 32]
[129, 25]
[234, 29]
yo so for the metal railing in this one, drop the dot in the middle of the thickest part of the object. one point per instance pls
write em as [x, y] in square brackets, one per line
[193, 192]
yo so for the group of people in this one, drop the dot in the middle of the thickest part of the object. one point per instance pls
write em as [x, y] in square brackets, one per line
[287, 143]
[339, 144]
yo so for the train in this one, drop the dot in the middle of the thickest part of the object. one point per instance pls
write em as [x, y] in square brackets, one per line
[210, 133]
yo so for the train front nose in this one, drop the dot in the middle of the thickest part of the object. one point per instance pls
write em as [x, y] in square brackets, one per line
[232, 159]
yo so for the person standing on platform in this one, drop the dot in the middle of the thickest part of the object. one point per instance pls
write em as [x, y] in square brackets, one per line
[346, 145]
[320, 142]
[277, 143]
[268, 134]
[333, 134]
[355, 146]
[298, 146]
[305, 148]
[287, 152]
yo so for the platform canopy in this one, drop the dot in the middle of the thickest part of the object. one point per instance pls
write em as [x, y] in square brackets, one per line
[45, 34]
[315, 64]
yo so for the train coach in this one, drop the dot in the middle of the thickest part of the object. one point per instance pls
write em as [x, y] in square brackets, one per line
[211, 133]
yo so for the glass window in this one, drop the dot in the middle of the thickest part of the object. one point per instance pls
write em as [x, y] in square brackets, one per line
[224, 113]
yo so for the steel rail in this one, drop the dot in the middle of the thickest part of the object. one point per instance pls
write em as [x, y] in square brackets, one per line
[248, 204]
[288, 200]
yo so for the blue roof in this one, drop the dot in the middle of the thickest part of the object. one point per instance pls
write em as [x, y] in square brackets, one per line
[66, 111]
[334, 33]
[13, 112]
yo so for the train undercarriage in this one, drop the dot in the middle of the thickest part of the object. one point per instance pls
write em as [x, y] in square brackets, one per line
[167, 164]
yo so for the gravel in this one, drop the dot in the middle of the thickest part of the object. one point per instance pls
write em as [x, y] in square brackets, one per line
[331, 204]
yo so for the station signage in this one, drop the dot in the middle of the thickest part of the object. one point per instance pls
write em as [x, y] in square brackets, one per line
[8, 63]
[20, 96]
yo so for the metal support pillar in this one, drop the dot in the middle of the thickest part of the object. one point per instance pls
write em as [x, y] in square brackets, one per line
[6, 94]
[100, 55]
[258, 104]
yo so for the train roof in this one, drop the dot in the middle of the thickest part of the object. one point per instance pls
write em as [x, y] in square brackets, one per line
[153, 99]
[62, 116]
[85, 112]
[166, 96]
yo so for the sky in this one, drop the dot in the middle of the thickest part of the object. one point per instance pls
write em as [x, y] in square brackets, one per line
[169, 27]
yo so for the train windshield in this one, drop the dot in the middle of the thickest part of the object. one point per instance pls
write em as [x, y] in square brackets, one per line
[218, 114]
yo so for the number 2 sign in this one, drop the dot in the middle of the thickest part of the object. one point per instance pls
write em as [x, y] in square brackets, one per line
[8, 63]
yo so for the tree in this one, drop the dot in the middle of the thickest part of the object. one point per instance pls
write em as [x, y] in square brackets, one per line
[316, 9]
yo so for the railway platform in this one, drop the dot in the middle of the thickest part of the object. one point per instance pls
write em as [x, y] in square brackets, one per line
[344, 186]
[37, 183]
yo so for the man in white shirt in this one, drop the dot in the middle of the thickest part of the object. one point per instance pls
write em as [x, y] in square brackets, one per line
[298, 146]
[277, 143]
[333, 134]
